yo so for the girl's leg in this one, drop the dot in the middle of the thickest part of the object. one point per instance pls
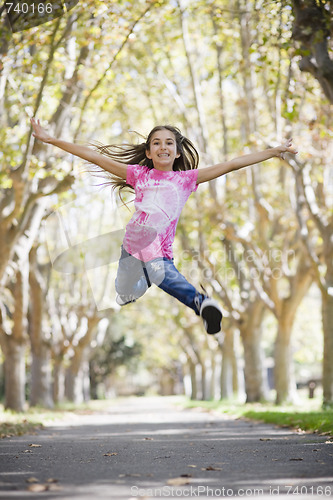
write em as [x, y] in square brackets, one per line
[131, 282]
[166, 276]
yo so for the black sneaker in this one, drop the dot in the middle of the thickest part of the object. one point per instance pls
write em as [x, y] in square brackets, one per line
[211, 314]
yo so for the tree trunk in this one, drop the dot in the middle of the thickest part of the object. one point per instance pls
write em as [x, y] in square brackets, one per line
[40, 390]
[58, 381]
[320, 254]
[327, 315]
[77, 385]
[229, 368]
[286, 309]
[77, 381]
[74, 386]
[203, 370]
[40, 393]
[15, 344]
[193, 375]
[254, 373]
[226, 376]
[166, 382]
[284, 378]
[312, 29]
[77, 375]
[256, 386]
[212, 382]
[15, 376]
[238, 375]
[197, 365]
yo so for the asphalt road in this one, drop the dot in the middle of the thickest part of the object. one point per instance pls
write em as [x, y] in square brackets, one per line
[149, 448]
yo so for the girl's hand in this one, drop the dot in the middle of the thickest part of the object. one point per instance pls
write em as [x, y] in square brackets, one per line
[285, 148]
[39, 132]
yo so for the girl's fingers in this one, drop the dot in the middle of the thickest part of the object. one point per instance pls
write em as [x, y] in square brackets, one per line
[287, 149]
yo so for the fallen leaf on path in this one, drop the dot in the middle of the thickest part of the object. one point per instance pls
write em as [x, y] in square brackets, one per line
[32, 480]
[265, 439]
[178, 481]
[149, 439]
[192, 466]
[52, 480]
[210, 467]
[35, 445]
[129, 475]
[37, 488]
[295, 459]
[53, 487]
[110, 454]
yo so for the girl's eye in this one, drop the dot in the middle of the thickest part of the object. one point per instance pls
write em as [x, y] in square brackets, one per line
[156, 143]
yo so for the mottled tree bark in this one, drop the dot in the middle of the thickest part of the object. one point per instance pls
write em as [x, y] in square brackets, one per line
[312, 28]
[256, 386]
[15, 343]
[40, 386]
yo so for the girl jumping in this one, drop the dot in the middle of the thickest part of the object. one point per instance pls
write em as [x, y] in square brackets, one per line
[163, 172]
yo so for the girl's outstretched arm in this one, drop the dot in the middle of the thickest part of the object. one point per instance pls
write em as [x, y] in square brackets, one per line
[114, 167]
[210, 173]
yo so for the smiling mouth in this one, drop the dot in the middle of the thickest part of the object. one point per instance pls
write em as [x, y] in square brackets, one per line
[163, 154]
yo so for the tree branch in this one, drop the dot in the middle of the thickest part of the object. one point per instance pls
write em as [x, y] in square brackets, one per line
[104, 75]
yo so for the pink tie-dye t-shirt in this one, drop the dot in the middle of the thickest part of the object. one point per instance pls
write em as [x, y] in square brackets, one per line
[159, 199]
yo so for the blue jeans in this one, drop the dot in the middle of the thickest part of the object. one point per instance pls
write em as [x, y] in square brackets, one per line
[134, 277]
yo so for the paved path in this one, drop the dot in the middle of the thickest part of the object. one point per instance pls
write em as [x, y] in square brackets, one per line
[148, 448]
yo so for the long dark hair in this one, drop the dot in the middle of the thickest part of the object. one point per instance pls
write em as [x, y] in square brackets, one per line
[135, 154]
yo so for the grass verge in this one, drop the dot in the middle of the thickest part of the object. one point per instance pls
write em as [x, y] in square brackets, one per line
[320, 422]
[33, 419]
[307, 416]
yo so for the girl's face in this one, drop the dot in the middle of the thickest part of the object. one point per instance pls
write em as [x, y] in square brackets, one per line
[163, 150]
